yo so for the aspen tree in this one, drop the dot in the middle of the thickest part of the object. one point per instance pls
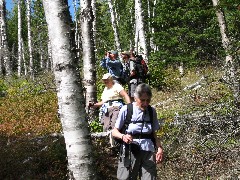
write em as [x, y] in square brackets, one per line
[31, 68]
[19, 38]
[69, 91]
[5, 55]
[140, 39]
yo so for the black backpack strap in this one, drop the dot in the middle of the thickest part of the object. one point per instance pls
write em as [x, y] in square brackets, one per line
[150, 110]
[128, 118]
[150, 113]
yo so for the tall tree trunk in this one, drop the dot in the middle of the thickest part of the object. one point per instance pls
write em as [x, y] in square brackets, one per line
[114, 25]
[40, 51]
[223, 30]
[151, 14]
[19, 38]
[49, 59]
[31, 68]
[140, 39]
[93, 4]
[77, 43]
[69, 91]
[25, 66]
[231, 66]
[89, 69]
[5, 55]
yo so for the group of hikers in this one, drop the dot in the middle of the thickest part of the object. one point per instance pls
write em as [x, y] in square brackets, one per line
[128, 115]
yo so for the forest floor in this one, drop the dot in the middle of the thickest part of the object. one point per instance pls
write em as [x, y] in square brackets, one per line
[200, 131]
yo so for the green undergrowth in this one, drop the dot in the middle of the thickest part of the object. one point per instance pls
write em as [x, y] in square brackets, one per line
[29, 111]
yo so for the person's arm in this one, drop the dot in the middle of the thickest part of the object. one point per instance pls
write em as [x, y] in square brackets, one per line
[104, 62]
[159, 154]
[127, 138]
[97, 104]
[124, 94]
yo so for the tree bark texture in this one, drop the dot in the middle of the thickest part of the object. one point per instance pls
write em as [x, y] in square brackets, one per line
[89, 69]
[31, 68]
[69, 91]
[114, 25]
[140, 39]
[5, 55]
[19, 38]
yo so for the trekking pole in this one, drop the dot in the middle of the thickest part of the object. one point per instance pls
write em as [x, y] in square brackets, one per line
[130, 159]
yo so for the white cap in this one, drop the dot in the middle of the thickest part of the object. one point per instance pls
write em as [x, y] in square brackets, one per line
[107, 76]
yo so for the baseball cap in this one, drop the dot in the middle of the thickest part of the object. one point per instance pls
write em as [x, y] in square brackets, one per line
[107, 76]
[114, 52]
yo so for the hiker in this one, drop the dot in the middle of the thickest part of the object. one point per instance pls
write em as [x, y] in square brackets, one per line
[112, 101]
[137, 74]
[113, 65]
[125, 76]
[137, 155]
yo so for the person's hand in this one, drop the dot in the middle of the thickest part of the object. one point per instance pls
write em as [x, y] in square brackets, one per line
[159, 155]
[127, 138]
[90, 104]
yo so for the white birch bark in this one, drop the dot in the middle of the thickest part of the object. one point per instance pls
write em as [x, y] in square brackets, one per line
[117, 17]
[31, 68]
[223, 30]
[19, 38]
[69, 91]
[231, 65]
[140, 39]
[25, 67]
[40, 50]
[4, 41]
[132, 40]
[151, 14]
[93, 4]
[77, 43]
[89, 69]
[49, 60]
[114, 26]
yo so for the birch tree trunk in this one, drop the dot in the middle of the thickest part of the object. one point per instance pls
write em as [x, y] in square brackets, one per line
[25, 66]
[151, 14]
[49, 59]
[93, 4]
[140, 39]
[40, 51]
[223, 30]
[31, 68]
[77, 43]
[89, 69]
[69, 91]
[4, 41]
[231, 66]
[114, 26]
[19, 38]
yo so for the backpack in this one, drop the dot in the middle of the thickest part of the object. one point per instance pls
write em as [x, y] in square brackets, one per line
[124, 77]
[141, 68]
[127, 121]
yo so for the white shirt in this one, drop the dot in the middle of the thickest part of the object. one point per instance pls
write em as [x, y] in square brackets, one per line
[112, 93]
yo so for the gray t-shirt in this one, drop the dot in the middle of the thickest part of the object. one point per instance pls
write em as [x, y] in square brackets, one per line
[135, 128]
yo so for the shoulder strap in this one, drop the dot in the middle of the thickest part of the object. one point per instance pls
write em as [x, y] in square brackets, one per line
[128, 117]
[150, 113]
[150, 110]
[129, 114]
